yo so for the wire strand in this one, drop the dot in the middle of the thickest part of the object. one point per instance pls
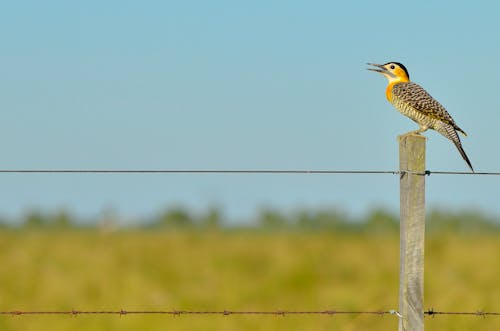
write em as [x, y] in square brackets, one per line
[242, 171]
[429, 312]
[196, 171]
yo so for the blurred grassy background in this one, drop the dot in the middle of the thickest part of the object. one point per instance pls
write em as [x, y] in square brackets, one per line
[238, 269]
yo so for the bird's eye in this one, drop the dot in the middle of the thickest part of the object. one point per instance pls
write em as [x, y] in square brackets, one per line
[392, 66]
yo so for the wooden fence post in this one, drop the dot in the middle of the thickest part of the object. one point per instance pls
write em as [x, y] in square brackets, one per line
[412, 232]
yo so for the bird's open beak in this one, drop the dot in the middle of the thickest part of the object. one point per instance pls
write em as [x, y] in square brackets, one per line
[381, 69]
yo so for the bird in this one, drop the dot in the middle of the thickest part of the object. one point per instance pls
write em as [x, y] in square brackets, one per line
[411, 100]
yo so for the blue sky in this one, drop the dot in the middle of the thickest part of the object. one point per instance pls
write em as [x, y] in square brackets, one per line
[234, 85]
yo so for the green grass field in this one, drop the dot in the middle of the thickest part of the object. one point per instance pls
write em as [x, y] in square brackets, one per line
[238, 270]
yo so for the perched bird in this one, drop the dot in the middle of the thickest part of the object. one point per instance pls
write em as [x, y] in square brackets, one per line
[411, 100]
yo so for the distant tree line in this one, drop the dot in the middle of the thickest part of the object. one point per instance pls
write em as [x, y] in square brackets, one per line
[269, 219]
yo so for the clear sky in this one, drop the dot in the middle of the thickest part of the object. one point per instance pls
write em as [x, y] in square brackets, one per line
[238, 85]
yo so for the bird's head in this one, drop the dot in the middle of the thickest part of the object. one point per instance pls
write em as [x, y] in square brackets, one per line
[393, 71]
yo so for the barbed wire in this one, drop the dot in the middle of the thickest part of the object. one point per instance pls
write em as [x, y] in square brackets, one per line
[191, 312]
[121, 312]
[479, 313]
[242, 171]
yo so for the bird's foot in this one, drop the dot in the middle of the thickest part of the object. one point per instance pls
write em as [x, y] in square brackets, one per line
[416, 132]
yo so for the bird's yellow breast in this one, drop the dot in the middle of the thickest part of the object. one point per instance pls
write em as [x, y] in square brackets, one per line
[388, 91]
[400, 77]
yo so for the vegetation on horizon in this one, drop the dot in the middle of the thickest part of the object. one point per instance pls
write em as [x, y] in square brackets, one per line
[377, 220]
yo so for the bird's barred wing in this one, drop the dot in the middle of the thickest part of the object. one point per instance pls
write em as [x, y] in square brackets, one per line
[418, 98]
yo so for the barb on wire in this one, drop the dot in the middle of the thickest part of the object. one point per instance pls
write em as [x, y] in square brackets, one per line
[121, 312]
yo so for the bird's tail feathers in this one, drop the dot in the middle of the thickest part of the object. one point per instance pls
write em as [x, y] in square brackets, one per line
[462, 152]
[450, 132]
